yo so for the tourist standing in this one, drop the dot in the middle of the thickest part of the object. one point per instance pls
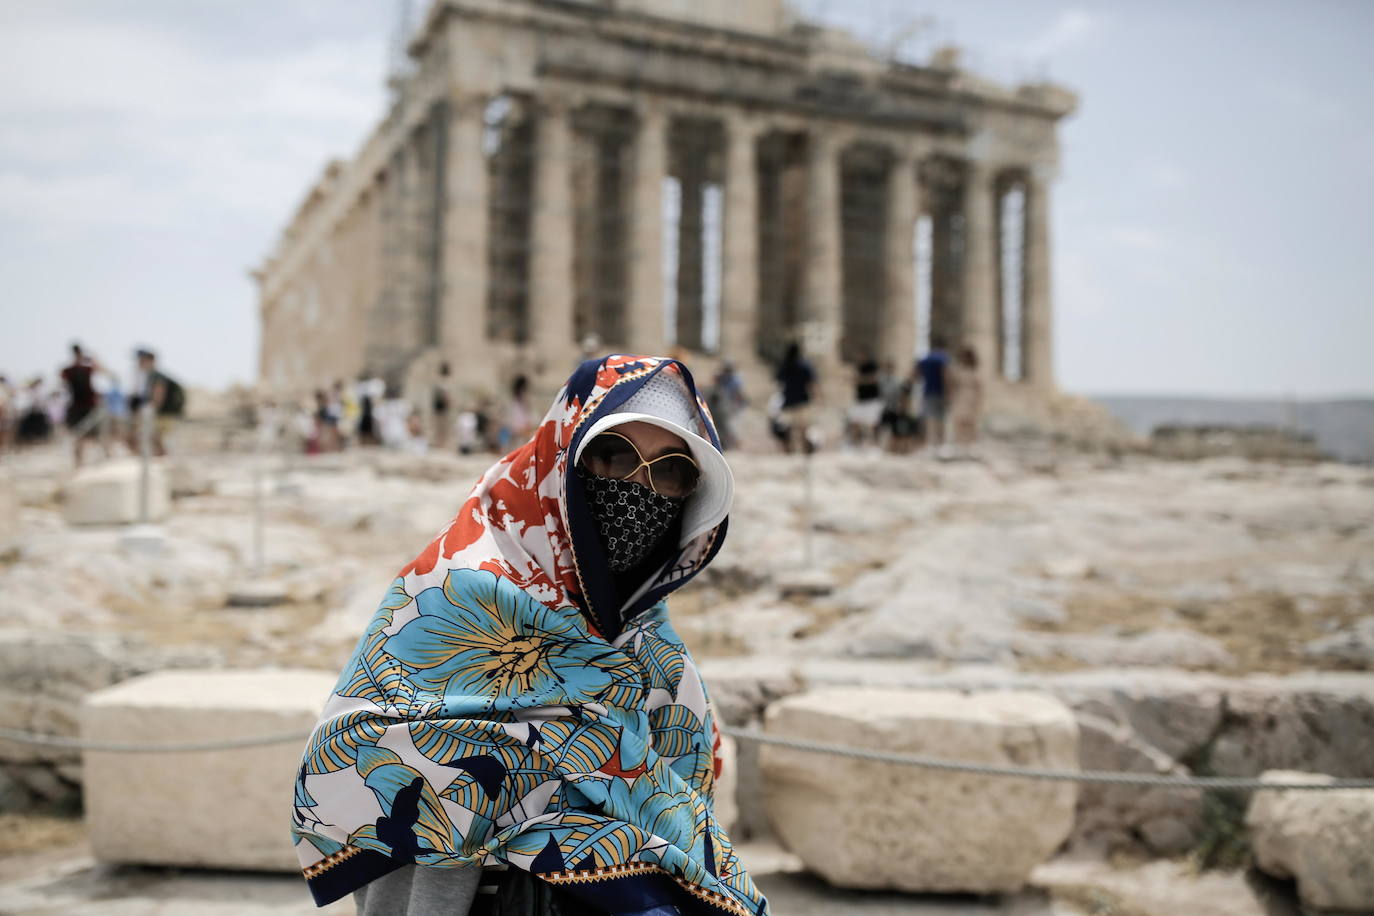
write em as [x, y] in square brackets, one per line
[519, 422]
[441, 408]
[904, 426]
[867, 410]
[965, 398]
[527, 655]
[324, 426]
[796, 382]
[116, 407]
[726, 399]
[83, 403]
[931, 370]
[369, 393]
[6, 412]
[31, 408]
[166, 397]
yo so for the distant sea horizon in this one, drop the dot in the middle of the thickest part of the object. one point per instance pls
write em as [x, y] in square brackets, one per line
[1342, 426]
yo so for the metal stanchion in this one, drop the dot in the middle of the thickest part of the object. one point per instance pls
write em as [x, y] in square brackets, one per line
[807, 513]
[258, 590]
[145, 457]
[144, 536]
[257, 514]
[811, 580]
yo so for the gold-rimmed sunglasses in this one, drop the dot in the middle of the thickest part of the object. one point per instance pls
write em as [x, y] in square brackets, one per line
[614, 456]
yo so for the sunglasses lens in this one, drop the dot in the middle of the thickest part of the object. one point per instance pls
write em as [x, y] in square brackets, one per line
[675, 476]
[610, 456]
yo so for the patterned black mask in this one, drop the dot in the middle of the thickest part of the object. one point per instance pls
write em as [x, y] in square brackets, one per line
[632, 518]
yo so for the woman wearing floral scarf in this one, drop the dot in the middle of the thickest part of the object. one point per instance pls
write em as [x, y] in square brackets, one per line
[520, 701]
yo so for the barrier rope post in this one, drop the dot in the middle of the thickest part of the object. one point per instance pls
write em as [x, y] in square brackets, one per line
[260, 455]
[807, 494]
[145, 448]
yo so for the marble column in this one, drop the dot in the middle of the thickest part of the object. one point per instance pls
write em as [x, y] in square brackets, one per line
[822, 290]
[462, 319]
[979, 281]
[691, 289]
[551, 242]
[739, 282]
[1037, 318]
[644, 315]
[411, 265]
[899, 261]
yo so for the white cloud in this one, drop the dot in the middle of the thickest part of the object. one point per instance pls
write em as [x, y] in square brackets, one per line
[80, 201]
[1137, 238]
[1071, 28]
[114, 122]
[93, 69]
[1167, 176]
[1077, 289]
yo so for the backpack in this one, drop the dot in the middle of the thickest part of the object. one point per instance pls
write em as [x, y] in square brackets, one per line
[174, 399]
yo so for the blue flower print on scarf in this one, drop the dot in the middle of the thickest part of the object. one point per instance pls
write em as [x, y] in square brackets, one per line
[481, 636]
[660, 804]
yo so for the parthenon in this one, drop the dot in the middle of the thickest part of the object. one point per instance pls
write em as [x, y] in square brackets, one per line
[712, 176]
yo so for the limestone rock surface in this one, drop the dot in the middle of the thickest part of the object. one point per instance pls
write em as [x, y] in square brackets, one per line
[220, 809]
[1322, 839]
[109, 494]
[862, 824]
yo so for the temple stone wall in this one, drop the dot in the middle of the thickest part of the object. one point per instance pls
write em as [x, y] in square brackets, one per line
[764, 16]
[658, 175]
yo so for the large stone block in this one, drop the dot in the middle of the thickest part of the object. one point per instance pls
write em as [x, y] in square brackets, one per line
[867, 824]
[1324, 840]
[215, 809]
[109, 494]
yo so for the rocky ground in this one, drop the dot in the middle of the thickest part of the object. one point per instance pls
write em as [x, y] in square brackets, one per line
[1044, 563]
[65, 880]
[1028, 563]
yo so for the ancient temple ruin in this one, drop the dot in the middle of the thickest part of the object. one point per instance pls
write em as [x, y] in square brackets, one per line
[713, 178]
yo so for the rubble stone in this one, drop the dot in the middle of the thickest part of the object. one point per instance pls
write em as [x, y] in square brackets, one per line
[1321, 839]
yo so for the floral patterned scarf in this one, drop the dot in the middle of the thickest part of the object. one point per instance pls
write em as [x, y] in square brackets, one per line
[503, 708]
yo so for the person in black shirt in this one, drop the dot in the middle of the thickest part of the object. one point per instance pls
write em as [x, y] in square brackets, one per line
[796, 382]
[82, 400]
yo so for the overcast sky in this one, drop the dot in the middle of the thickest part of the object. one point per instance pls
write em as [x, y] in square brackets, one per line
[1214, 220]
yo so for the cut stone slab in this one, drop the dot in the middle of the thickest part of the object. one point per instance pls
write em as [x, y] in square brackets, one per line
[258, 593]
[149, 540]
[1323, 840]
[108, 494]
[862, 824]
[805, 583]
[214, 809]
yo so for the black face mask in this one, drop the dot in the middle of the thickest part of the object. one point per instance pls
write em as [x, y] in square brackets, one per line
[632, 518]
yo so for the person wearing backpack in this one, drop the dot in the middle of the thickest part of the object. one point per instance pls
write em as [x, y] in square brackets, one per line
[164, 393]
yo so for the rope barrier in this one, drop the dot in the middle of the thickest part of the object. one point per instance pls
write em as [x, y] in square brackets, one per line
[128, 747]
[1098, 777]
